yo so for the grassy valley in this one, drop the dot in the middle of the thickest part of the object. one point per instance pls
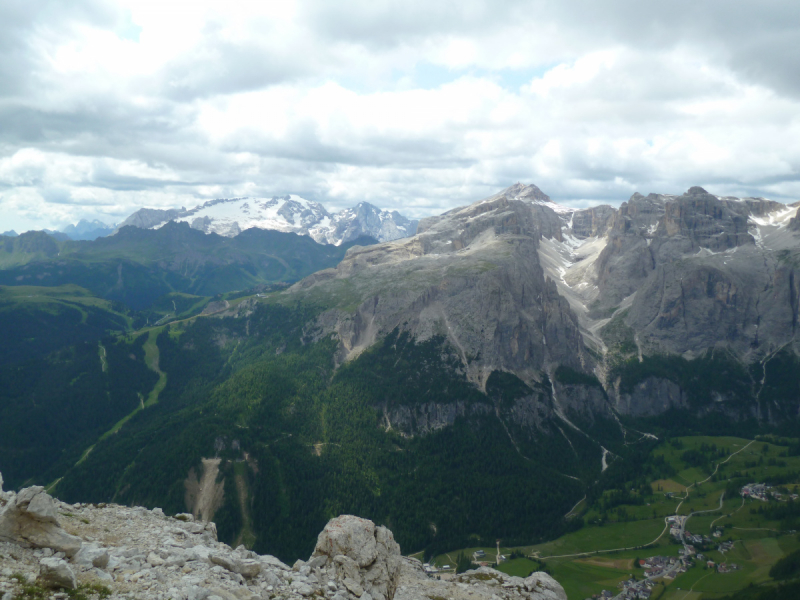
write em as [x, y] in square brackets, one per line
[701, 478]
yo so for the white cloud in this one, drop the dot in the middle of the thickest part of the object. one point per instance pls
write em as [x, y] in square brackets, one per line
[109, 106]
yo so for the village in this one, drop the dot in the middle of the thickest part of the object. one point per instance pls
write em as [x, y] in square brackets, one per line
[763, 492]
[692, 552]
[667, 568]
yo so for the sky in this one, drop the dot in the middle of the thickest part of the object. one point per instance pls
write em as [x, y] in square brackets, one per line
[417, 106]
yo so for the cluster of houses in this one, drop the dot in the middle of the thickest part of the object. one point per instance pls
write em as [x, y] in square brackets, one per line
[763, 492]
[664, 566]
[725, 546]
[757, 491]
[727, 567]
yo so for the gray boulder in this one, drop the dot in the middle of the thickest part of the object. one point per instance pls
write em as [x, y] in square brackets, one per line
[92, 555]
[31, 519]
[56, 573]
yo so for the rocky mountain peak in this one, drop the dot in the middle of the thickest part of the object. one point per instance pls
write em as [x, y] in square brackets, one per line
[521, 191]
[696, 190]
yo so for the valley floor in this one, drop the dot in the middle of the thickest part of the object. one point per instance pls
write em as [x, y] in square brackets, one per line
[743, 536]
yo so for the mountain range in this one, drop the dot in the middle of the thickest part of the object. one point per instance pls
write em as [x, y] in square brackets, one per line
[512, 351]
[518, 284]
[290, 214]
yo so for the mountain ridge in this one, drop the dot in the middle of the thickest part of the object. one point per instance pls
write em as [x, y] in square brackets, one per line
[290, 214]
[590, 266]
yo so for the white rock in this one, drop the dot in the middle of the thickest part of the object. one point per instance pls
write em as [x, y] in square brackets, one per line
[349, 536]
[56, 573]
[92, 555]
[223, 561]
[31, 518]
[248, 568]
[302, 588]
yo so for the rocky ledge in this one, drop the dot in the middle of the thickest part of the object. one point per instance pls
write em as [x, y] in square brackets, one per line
[48, 547]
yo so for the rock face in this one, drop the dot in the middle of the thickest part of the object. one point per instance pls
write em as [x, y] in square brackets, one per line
[141, 553]
[592, 222]
[794, 223]
[652, 396]
[145, 218]
[518, 283]
[231, 216]
[472, 276]
[428, 417]
[30, 518]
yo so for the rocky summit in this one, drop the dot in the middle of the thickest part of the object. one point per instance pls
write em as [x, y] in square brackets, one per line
[108, 550]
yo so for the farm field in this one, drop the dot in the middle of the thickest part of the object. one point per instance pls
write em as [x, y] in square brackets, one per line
[705, 478]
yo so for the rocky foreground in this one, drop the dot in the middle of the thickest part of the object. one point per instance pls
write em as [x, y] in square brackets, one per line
[48, 547]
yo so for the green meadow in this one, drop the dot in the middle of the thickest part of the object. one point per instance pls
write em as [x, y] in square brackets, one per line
[705, 470]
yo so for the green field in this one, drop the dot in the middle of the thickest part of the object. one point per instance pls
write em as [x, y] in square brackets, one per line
[705, 469]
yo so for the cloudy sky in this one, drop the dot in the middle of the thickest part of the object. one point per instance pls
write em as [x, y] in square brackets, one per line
[414, 105]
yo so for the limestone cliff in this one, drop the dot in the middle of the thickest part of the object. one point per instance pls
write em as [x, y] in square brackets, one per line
[518, 283]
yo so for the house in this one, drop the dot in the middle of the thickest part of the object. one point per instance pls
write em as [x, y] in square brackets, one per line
[478, 554]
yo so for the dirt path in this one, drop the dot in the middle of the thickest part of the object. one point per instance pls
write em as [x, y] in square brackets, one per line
[571, 510]
[728, 515]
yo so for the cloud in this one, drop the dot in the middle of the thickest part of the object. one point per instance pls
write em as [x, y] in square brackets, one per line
[416, 106]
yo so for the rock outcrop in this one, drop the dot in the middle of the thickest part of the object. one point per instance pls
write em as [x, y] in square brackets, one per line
[140, 553]
[365, 558]
[30, 518]
[592, 222]
[794, 223]
[478, 584]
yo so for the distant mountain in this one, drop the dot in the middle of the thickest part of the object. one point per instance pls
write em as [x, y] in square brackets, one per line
[290, 214]
[138, 266]
[9, 233]
[87, 230]
[58, 235]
